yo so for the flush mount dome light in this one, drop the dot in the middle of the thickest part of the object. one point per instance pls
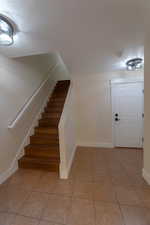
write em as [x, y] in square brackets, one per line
[6, 32]
[134, 64]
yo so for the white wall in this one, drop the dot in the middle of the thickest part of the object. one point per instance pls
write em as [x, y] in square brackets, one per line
[93, 106]
[146, 170]
[67, 134]
[19, 78]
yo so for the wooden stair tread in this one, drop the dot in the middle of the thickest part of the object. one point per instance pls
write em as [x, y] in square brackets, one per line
[44, 147]
[51, 115]
[40, 160]
[48, 122]
[36, 163]
[46, 136]
[35, 139]
[53, 109]
[48, 151]
[46, 130]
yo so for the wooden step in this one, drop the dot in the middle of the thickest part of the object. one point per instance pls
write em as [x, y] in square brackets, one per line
[44, 139]
[53, 109]
[46, 130]
[57, 100]
[55, 104]
[39, 163]
[59, 94]
[47, 122]
[63, 82]
[51, 115]
[51, 150]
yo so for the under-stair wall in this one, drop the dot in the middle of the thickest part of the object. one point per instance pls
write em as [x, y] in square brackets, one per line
[19, 81]
[67, 134]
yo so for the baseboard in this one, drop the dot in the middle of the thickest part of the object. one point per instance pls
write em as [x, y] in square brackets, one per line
[5, 175]
[95, 144]
[146, 176]
[71, 160]
[64, 172]
[14, 165]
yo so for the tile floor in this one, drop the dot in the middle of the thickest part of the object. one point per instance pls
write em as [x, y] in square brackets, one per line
[105, 187]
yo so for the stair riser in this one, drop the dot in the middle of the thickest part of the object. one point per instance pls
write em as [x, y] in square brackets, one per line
[42, 153]
[53, 110]
[47, 136]
[56, 101]
[46, 132]
[53, 167]
[53, 99]
[45, 124]
[54, 105]
[50, 121]
[43, 141]
[60, 96]
[50, 116]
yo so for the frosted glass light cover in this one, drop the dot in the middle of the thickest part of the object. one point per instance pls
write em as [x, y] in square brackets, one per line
[6, 32]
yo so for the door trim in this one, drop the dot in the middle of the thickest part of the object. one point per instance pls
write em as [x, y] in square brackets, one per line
[112, 84]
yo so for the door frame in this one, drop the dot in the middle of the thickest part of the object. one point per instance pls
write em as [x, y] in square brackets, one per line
[112, 84]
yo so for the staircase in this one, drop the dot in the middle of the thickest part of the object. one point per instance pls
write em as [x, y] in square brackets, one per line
[43, 150]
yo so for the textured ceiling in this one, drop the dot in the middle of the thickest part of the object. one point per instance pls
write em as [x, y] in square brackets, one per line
[90, 35]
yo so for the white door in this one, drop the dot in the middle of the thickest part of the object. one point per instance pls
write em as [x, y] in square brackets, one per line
[127, 109]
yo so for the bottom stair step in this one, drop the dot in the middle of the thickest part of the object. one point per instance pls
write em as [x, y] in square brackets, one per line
[39, 163]
[49, 151]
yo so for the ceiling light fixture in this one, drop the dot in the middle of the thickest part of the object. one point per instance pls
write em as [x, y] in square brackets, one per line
[6, 32]
[134, 64]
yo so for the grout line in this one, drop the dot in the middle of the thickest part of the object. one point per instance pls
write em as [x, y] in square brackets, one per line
[94, 211]
[118, 203]
[122, 216]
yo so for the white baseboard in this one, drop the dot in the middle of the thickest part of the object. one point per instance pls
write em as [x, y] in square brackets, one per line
[146, 176]
[71, 160]
[5, 175]
[95, 144]
[64, 172]
[14, 165]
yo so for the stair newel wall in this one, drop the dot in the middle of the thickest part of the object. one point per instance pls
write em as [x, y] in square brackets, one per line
[67, 134]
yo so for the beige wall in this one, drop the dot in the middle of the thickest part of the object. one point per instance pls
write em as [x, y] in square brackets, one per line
[19, 78]
[93, 106]
[67, 134]
[147, 111]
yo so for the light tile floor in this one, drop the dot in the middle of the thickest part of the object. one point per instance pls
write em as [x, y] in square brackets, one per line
[105, 187]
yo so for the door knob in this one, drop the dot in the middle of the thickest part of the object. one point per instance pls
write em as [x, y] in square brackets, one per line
[116, 119]
[116, 114]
